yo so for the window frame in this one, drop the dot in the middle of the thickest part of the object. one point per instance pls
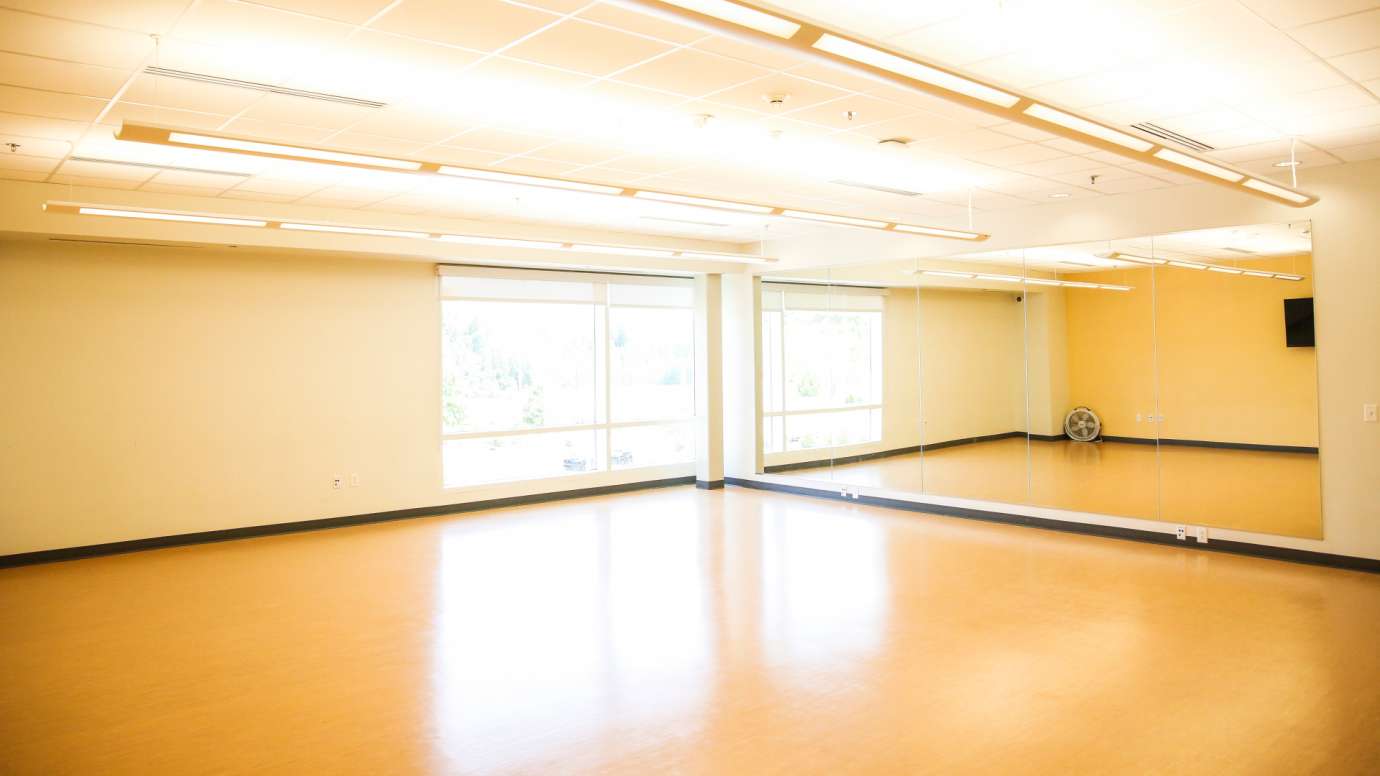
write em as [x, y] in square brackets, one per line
[603, 388]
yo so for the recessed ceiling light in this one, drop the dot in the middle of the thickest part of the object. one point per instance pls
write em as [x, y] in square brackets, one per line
[1287, 163]
[1059, 195]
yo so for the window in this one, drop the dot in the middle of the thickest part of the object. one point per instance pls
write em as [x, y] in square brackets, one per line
[821, 366]
[546, 374]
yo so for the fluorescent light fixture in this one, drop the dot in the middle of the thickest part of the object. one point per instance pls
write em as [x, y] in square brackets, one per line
[1090, 128]
[935, 232]
[1041, 282]
[1186, 264]
[683, 199]
[1275, 191]
[1000, 278]
[621, 250]
[507, 242]
[1111, 287]
[527, 180]
[351, 230]
[1194, 163]
[1077, 284]
[909, 68]
[943, 273]
[1224, 270]
[1060, 195]
[833, 219]
[139, 214]
[1284, 276]
[741, 15]
[232, 144]
[1255, 273]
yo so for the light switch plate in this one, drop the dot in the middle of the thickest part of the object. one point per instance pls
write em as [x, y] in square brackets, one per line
[1368, 413]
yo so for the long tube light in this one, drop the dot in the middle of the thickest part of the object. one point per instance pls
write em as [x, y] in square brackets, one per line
[141, 133]
[944, 273]
[276, 149]
[1186, 264]
[741, 15]
[838, 50]
[75, 208]
[155, 216]
[892, 63]
[1087, 127]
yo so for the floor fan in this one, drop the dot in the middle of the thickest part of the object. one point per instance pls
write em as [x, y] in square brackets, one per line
[1082, 425]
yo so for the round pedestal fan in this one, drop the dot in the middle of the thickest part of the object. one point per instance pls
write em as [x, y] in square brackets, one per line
[1082, 425]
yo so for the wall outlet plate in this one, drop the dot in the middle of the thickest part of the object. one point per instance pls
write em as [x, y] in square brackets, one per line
[1201, 534]
[1180, 532]
[337, 482]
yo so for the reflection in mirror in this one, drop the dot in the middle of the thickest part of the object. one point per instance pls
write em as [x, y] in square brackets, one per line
[1237, 372]
[1092, 378]
[972, 363]
[821, 371]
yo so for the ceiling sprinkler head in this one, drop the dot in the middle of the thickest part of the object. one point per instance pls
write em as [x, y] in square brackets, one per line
[776, 100]
[703, 120]
[893, 144]
[850, 115]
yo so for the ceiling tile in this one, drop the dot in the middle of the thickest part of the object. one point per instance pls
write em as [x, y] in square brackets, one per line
[256, 196]
[35, 102]
[295, 134]
[34, 146]
[26, 33]
[970, 141]
[190, 95]
[691, 73]
[151, 114]
[1060, 165]
[1345, 137]
[926, 126]
[188, 191]
[198, 180]
[1069, 146]
[1343, 35]
[463, 157]
[292, 189]
[586, 48]
[1025, 153]
[146, 16]
[350, 11]
[532, 166]
[22, 175]
[363, 142]
[498, 141]
[482, 25]
[385, 67]
[123, 172]
[290, 41]
[577, 153]
[101, 183]
[36, 72]
[1293, 13]
[865, 112]
[34, 126]
[798, 92]
[740, 51]
[287, 109]
[1362, 65]
[14, 161]
[629, 20]
[1359, 153]
[407, 124]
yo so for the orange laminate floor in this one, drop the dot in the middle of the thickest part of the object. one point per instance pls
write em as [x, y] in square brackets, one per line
[688, 632]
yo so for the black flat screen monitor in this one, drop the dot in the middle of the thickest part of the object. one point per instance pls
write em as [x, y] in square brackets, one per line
[1298, 322]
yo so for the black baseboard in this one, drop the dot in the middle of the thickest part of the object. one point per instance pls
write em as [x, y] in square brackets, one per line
[1349, 562]
[273, 529]
[709, 484]
[1210, 443]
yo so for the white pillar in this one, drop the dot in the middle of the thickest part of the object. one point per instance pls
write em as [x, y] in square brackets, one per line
[709, 384]
[742, 312]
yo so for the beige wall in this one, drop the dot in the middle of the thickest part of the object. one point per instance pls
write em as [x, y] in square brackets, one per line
[152, 391]
[973, 349]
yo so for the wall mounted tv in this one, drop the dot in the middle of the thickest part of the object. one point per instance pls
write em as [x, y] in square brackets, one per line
[1298, 322]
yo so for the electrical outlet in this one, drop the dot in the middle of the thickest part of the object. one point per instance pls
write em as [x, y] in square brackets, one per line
[354, 480]
[336, 483]
[1368, 413]
[1180, 532]
[1138, 415]
[855, 494]
[1201, 534]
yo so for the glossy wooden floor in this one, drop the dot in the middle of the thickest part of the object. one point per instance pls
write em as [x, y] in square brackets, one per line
[1266, 492]
[690, 632]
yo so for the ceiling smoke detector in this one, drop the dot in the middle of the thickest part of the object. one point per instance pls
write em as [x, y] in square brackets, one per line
[776, 100]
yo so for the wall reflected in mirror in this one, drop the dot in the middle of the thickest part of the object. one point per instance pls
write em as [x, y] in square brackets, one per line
[1166, 378]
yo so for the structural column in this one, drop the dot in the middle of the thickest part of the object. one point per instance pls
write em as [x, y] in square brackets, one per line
[709, 383]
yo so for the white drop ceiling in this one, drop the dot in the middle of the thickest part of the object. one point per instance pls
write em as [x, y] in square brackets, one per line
[596, 91]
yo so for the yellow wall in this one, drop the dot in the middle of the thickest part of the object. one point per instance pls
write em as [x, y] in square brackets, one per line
[1212, 353]
[973, 349]
[152, 391]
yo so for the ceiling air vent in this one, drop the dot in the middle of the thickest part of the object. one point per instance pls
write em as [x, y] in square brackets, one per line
[152, 166]
[258, 87]
[1172, 136]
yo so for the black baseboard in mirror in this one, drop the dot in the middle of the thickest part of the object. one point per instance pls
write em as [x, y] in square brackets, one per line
[1211, 443]
[273, 529]
[1349, 562]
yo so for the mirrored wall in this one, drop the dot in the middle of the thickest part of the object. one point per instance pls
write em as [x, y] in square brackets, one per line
[1166, 378]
